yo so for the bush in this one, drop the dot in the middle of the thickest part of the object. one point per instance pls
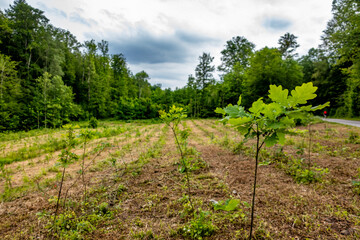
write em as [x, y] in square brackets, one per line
[93, 123]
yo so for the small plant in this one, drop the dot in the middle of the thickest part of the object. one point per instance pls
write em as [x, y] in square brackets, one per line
[199, 227]
[65, 158]
[6, 174]
[173, 119]
[269, 122]
[228, 205]
[238, 148]
[93, 123]
[302, 173]
[356, 183]
[353, 138]
[86, 135]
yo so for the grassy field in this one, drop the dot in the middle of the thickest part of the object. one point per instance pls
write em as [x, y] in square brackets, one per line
[127, 184]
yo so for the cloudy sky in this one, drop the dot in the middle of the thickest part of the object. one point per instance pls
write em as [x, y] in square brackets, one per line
[166, 37]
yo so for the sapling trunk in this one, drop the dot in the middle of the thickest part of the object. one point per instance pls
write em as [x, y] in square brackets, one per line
[83, 170]
[59, 194]
[184, 165]
[255, 178]
[309, 158]
[258, 148]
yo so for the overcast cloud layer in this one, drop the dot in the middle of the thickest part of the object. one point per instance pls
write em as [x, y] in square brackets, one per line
[166, 37]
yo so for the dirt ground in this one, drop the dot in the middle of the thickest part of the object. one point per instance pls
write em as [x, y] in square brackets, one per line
[133, 188]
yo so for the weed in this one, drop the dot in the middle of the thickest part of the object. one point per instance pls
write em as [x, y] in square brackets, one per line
[7, 175]
[353, 138]
[143, 235]
[199, 227]
[239, 147]
[228, 205]
[301, 172]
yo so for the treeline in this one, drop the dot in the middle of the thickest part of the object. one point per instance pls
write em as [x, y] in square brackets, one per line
[48, 78]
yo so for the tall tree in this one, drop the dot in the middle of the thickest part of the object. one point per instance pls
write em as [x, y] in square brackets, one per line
[10, 95]
[204, 71]
[237, 51]
[268, 68]
[288, 45]
[341, 40]
[27, 24]
[204, 78]
[141, 80]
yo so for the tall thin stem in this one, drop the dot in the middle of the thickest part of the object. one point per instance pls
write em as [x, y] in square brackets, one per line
[58, 199]
[184, 165]
[255, 178]
[82, 169]
[309, 159]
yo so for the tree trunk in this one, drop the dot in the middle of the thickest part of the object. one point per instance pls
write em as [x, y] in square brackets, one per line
[255, 178]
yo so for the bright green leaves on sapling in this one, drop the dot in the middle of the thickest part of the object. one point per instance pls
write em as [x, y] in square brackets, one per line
[173, 119]
[269, 122]
[228, 205]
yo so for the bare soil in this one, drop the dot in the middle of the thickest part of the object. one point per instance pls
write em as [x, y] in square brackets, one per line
[151, 204]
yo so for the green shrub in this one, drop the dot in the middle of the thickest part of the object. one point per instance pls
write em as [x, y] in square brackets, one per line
[93, 123]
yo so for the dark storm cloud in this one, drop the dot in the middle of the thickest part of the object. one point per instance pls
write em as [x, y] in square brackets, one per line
[51, 11]
[75, 17]
[275, 23]
[145, 47]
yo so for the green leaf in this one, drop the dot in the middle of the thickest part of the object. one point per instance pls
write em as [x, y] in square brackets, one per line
[318, 107]
[220, 110]
[240, 121]
[232, 205]
[271, 140]
[277, 94]
[287, 122]
[239, 102]
[274, 125]
[303, 93]
[281, 137]
[272, 110]
[245, 130]
[257, 107]
[232, 111]
[228, 205]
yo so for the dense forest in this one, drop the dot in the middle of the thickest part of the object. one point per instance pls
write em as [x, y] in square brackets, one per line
[48, 78]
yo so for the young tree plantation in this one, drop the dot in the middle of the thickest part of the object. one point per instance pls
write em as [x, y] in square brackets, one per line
[91, 150]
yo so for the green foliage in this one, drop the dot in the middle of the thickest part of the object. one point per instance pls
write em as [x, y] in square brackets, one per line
[268, 68]
[272, 120]
[237, 51]
[46, 79]
[288, 45]
[7, 175]
[353, 138]
[93, 123]
[228, 205]
[199, 227]
[70, 225]
[10, 95]
[269, 122]
[356, 186]
[173, 119]
[302, 173]
[341, 39]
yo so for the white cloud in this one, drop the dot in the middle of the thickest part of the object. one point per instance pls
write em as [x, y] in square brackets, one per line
[183, 29]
